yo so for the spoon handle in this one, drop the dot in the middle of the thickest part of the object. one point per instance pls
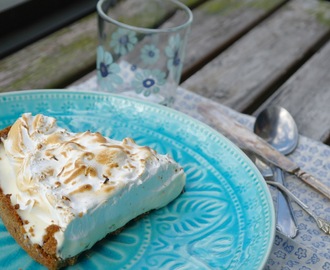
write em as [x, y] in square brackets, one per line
[286, 222]
[323, 224]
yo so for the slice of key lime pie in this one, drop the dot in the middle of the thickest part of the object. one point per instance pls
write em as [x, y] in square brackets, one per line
[61, 192]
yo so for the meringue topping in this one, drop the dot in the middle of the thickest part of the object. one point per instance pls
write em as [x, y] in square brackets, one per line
[81, 182]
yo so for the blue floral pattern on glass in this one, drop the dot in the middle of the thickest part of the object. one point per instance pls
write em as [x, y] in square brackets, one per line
[149, 54]
[156, 64]
[174, 62]
[123, 41]
[107, 70]
[148, 82]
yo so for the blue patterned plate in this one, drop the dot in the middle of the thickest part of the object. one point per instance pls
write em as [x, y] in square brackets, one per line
[224, 220]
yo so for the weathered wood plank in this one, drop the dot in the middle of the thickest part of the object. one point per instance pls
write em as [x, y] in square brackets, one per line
[265, 56]
[59, 59]
[218, 23]
[52, 61]
[306, 95]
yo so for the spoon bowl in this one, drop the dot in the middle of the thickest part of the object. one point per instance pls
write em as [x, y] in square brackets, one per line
[276, 126]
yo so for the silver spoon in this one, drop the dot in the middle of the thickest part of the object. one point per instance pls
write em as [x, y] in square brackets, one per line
[276, 126]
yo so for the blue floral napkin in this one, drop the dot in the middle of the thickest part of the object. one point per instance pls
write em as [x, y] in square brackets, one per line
[311, 248]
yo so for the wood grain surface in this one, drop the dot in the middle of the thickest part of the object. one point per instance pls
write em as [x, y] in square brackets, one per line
[54, 61]
[217, 24]
[261, 59]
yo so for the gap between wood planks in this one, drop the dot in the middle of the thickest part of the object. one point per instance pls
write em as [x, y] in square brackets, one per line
[290, 71]
[327, 141]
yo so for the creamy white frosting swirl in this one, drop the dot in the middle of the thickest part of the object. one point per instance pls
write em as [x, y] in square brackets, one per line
[86, 184]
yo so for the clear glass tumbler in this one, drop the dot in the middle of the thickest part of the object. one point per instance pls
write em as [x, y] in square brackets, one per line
[141, 47]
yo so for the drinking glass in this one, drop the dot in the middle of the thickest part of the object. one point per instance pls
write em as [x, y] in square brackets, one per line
[141, 48]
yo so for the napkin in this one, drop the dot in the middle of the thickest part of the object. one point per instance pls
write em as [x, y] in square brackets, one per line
[311, 248]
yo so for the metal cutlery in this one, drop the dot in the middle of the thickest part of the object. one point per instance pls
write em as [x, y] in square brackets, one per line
[246, 139]
[276, 126]
[267, 173]
[321, 223]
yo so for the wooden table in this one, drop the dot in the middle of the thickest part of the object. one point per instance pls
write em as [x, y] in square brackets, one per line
[245, 54]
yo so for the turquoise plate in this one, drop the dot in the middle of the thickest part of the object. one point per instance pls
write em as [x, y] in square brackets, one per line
[225, 218]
